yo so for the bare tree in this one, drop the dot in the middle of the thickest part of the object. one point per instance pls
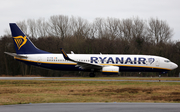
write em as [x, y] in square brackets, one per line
[23, 26]
[42, 28]
[32, 28]
[80, 27]
[127, 25]
[138, 28]
[159, 30]
[99, 26]
[112, 28]
[59, 26]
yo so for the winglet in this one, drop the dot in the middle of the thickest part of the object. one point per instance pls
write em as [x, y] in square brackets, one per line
[64, 54]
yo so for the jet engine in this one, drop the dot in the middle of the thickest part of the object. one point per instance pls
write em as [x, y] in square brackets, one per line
[110, 70]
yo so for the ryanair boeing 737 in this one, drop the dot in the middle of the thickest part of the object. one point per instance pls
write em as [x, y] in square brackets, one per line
[28, 53]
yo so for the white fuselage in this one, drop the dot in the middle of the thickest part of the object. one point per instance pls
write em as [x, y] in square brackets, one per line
[138, 63]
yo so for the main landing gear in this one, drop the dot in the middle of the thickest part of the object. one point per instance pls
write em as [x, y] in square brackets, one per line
[92, 74]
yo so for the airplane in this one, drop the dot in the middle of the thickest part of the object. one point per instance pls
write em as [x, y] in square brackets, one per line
[28, 53]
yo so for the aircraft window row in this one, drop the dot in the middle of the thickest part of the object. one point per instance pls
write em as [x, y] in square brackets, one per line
[56, 60]
[98, 61]
[84, 60]
[67, 60]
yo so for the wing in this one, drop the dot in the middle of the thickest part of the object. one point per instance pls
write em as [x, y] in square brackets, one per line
[83, 65]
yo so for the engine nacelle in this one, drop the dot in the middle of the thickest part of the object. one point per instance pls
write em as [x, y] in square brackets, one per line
[110, 70]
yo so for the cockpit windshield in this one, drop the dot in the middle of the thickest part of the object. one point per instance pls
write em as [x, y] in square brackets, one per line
[167, 61]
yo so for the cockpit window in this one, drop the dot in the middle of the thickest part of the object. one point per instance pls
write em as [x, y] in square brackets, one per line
[167, 61]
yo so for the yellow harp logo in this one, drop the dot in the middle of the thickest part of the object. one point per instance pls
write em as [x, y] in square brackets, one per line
[20, 41]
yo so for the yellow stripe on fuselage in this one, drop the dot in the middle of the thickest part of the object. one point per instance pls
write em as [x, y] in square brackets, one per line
[111, 71]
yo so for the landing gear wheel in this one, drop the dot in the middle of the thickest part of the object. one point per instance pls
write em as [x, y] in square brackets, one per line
[92, 75]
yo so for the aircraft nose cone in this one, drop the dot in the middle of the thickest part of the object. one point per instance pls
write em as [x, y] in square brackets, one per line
[174, 65]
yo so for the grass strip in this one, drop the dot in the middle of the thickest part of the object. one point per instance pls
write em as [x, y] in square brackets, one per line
[35, 91]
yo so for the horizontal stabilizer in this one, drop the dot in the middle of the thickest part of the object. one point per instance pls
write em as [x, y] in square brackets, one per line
[15, 55]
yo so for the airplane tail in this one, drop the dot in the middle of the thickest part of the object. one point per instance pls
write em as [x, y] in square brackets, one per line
[22, 43]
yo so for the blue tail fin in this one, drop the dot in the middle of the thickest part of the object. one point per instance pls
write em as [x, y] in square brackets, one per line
[22, 43]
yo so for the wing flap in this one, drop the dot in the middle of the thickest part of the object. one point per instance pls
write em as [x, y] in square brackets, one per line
[85, 65]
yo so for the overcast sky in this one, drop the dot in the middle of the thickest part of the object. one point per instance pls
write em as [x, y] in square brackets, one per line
[19, 10]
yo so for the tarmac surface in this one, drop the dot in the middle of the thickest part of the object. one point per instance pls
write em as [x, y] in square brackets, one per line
[93, 107]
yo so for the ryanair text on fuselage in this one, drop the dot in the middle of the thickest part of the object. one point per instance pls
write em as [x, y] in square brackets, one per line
[122, 60]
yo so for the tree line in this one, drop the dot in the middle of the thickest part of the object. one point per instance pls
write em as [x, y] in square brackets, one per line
[107, 36]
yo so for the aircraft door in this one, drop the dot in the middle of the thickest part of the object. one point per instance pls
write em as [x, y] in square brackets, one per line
[39, 61]
[157, 62]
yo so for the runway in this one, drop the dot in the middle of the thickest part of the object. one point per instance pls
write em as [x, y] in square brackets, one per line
[93, 107]
[73, 79]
